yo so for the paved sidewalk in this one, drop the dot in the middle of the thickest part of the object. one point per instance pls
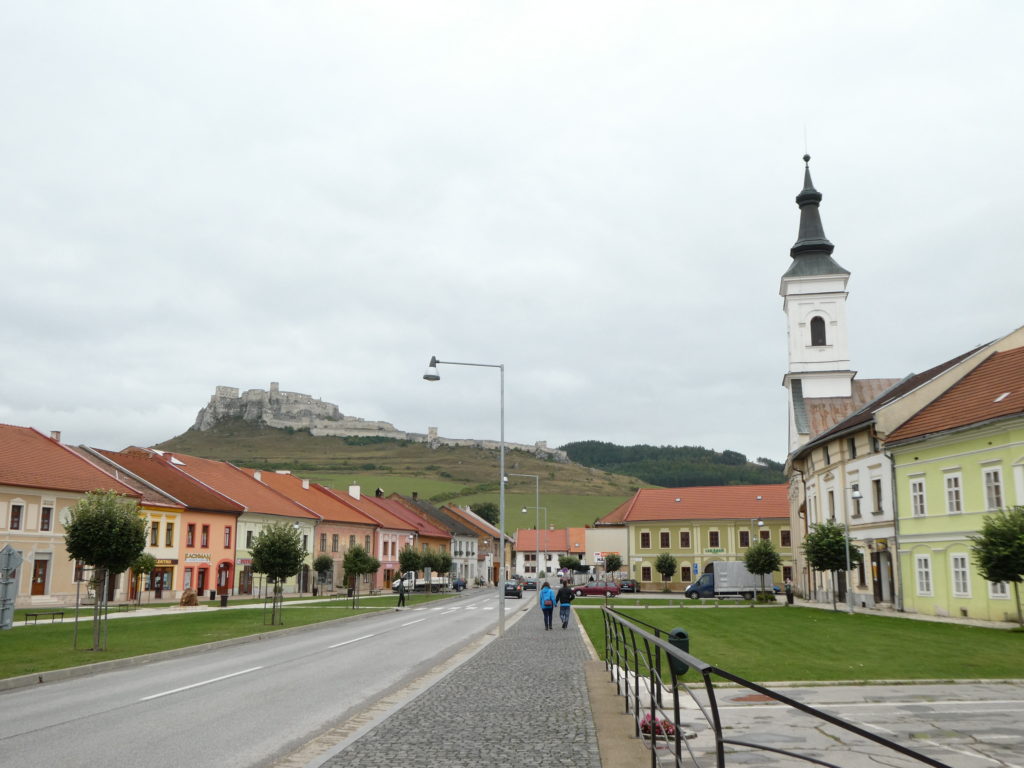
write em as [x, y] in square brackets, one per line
[521, 702]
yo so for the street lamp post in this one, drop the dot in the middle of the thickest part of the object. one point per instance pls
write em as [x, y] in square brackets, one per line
[536, 529]
[856, 496]
[432, 375]
[536, 479]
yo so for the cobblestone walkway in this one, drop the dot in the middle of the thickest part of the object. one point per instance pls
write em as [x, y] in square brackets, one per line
[521, 702]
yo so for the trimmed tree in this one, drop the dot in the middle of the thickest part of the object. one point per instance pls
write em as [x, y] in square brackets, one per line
[278, 553]
[105, 532]
[999, 550]
[409, 560]
[665, 564]
[825, 547]
[144, 564]
[569, 562]
[612, 563]
[761, 559]
[358, 562]
[323, 564]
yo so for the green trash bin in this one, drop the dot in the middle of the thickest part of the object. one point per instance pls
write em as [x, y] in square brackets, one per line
[681, 640]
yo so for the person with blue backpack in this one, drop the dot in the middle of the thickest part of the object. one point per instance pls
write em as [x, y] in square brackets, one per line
[547, 603]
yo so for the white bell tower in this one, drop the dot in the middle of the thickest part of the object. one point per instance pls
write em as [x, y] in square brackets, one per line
[814, 294]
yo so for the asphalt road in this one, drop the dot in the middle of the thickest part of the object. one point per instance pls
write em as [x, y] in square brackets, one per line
[243, 705]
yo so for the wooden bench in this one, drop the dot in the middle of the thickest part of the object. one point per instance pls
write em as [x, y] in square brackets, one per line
[374, 591]
[36, 614]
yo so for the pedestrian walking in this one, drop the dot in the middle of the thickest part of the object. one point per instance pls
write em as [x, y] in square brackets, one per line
[564, 599]
[401, 594]
[547, 603]
[789, 591]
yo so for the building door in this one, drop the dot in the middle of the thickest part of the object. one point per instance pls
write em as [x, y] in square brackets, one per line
[223, 578]
[245, 581]
[39, 577]
[876, 575]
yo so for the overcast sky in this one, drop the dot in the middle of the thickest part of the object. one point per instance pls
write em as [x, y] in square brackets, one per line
[597, 195]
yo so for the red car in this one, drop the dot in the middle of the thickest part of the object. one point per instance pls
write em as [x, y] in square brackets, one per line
[605, 588]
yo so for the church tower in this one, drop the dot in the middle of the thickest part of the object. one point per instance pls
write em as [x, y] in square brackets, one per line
[813, 292]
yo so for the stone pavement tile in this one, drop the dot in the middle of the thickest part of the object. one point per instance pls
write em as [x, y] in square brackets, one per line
[521, 702]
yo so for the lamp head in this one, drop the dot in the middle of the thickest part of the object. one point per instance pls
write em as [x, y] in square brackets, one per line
[857, 495]
[431, 374]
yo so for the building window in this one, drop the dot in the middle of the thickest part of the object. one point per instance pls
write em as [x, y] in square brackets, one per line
[1000, 590]
[953, 501]
[784, 539]
[684, 574]
[664, 540]
[367, 545]
[190, 535]
[334, 542]
[825, 453]
[876, 496]
[917, 503]
[645, 540]
[323, 542]
[832, 504]
[860, 574]
[851, 447]
[79, 570]
[684, 539]
[154, 534]
[187, 583]
[204, 537]
[45, 517]
[876, 444]
[817, 332]
[169, 535]
[645, 573]
[227, 536]
[993, 488]
[924, 575]
[744, 538]
[248, 539]
[713, 539]
[856, 501]
[16, 512]
[766, 534]
[351, 541]
[961, 582]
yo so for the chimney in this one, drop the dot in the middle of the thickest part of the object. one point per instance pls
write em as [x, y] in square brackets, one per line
[379, 493]
[353, 491]
[415, 495]
[305, 485]
[55, 435]
[258, 475]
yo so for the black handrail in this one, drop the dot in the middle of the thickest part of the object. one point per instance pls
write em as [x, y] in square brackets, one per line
[624, 658]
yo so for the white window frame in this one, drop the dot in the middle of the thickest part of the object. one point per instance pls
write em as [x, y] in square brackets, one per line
[923, 574]
[999, 590]
[992, 480]
[960, 574]
[956, 491]
[918, 497]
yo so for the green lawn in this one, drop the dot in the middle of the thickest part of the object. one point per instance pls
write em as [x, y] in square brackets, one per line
[26, 650]
[773, 644]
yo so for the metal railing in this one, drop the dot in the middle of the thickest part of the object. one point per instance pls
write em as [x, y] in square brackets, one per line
[646, 668]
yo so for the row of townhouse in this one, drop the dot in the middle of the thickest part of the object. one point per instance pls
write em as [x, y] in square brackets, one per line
[202, 517]
[696, 526]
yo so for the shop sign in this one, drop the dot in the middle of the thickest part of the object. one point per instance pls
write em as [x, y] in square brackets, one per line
[167, 561]
[243, 561]
[197, 557]
[714, 550]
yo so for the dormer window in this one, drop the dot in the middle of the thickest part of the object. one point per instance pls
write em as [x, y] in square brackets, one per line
[817, 332]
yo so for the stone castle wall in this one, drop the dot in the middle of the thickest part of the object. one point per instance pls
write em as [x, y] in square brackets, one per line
[283, 410]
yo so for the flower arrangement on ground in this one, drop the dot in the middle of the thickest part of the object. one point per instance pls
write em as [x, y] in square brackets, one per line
[657, 726]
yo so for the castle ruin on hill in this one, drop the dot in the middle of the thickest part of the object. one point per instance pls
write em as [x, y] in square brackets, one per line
[283, 410]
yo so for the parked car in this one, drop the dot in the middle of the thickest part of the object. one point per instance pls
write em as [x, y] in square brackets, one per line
[514, 589]
[459, 584]
[530, 584]
[629, 585]
[606, 588]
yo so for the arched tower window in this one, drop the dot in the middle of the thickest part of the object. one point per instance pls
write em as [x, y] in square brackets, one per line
[817, 332]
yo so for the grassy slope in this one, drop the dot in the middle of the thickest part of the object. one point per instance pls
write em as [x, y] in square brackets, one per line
[574, 495]
[782, 643]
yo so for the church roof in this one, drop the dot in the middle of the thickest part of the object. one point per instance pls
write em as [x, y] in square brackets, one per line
[812, 251]
[815, 415]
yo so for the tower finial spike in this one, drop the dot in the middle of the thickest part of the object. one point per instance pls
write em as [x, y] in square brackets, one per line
[807, 158]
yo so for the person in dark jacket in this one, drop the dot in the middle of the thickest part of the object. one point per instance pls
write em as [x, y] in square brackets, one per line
[564, 599]
[547, 603]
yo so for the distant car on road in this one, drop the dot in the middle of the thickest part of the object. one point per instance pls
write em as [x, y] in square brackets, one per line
[459, 584]
[514, 589]
[530, 584]
[629, 585]
[606, 588]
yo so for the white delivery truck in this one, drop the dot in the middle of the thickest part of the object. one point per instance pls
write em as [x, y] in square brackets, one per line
[412, 584]
[726, 578]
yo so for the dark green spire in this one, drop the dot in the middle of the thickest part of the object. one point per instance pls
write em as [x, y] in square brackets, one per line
[812, 251]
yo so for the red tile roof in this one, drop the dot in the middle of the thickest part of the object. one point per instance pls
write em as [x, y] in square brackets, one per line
[570, 540]
[312, 496]
[161, 472]
[993, 390]
[30, 459]
[151, 496]
[719, 502]
[381, 516]
[422, 526]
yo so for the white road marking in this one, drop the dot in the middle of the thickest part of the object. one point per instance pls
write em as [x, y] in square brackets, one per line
[354, 640]
[408, 623]
[196, 685]
[969, 753]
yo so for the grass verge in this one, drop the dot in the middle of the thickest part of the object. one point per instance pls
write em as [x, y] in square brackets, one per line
[795, 643]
